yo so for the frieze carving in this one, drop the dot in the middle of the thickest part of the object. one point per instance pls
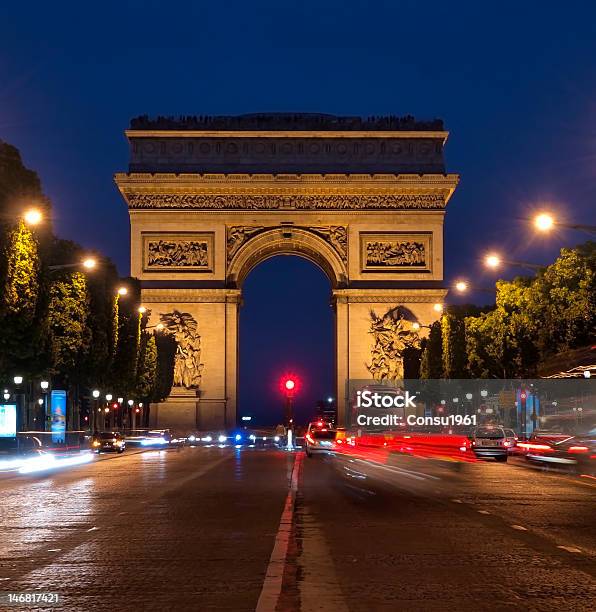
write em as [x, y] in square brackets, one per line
[285, 202]
[393, 333]
[188, 369]
[335, 235]
[395, 253]
[177, 254]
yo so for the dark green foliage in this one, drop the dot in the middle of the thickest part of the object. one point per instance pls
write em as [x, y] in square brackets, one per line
[166, 354]
[431, 363]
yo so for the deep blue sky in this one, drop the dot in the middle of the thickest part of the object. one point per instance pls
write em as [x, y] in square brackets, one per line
[515, 83]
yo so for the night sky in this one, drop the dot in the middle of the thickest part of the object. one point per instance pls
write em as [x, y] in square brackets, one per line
[514, 82]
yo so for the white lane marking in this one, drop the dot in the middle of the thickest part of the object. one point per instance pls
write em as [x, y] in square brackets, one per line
[54, 549]
[3, 579]
[92, 529]
[457, 501]
[519, 528]
[483, 512]
[571, 549]
[275, 570]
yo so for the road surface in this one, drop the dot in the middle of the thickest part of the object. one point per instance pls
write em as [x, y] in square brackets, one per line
[244, 529]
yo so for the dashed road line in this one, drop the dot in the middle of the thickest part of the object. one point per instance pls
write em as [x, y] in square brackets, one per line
[519, 527]
[571, 549]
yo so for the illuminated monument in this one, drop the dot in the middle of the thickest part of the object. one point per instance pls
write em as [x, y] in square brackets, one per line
[212, 197]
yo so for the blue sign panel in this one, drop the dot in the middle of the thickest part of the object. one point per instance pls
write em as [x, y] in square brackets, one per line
[58, 402]
[8, 421]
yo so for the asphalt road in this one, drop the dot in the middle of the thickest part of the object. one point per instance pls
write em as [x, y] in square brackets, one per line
[245, 529]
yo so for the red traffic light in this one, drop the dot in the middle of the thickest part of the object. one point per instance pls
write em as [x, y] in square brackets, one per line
[289, 384]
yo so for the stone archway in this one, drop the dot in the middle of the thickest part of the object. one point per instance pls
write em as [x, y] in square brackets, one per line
[209, 199]
[258, 244]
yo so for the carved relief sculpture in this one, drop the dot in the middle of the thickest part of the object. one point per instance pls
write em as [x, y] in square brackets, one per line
[392, 334]
[237, 235]
[178, 252]
[289, 202]
[336, 236]
[188, 368]
[395, 253]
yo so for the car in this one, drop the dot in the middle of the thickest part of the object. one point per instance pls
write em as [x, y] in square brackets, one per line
[108, 441]
[490, 441]
[318, 424]
[512, 438]
[319, 441]
[574, 452]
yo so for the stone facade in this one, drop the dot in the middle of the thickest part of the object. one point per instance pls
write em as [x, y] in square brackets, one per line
[202, 218]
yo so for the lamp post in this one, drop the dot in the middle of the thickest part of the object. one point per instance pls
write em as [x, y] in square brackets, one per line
[21, 403]
[92, 424]
[495, 261]
[45, 385]
[545, 222]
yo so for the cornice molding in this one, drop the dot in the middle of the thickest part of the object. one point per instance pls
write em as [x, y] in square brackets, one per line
[440, 134]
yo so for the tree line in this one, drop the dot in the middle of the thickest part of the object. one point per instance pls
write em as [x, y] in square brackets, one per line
[57, 319]
[533, 319]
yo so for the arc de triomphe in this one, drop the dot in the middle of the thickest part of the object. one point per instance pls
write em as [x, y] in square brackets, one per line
[210, 198]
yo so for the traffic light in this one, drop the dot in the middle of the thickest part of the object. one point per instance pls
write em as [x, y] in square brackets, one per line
[289, 384]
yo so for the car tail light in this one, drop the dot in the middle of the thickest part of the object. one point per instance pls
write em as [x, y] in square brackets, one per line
[505, 443]
[578, 449]
[310, 438]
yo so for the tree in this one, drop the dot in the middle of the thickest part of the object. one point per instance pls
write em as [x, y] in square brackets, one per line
[22, 304]
[124, 368]
[431, 363]
[166, 355]
[68, 316]
[147, 367]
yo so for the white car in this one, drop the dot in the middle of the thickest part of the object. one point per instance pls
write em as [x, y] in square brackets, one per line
[319, 441]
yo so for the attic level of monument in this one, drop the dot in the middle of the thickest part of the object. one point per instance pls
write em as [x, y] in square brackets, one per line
[286, 144]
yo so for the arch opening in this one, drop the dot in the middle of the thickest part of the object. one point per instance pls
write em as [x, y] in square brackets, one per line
[287, 240]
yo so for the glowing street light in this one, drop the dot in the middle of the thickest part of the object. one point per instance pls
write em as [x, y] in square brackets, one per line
[89, 263]
[44, 384]
[142, 310]
[461, 286]
[438, 307]
[108, 397]
[95, 393]
[122, 290]
[33, 216]
[494, 261]
[546, 222]
[18, 380]
[415, 326]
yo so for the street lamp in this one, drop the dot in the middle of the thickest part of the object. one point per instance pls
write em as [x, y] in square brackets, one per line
[494, 261]
[89, 263]
[18, 380]
[142, 309]
[44, 384]
[6, 395]
[545, 222]
[109, 397]
[438, 307]
[95, 393]
[122, 290]
[463, 286]
[33, 216]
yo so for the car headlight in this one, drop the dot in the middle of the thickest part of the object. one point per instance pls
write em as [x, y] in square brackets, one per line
[222, 438]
